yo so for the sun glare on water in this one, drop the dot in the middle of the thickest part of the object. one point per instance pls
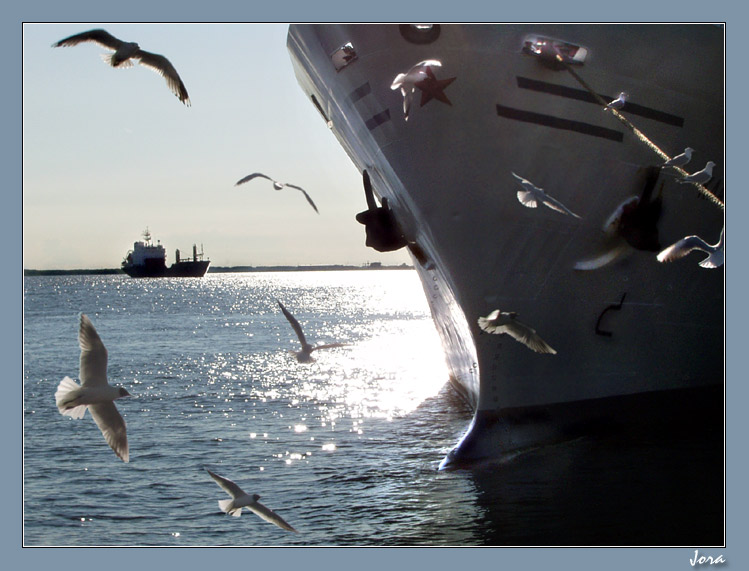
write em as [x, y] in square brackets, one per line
[390, 362]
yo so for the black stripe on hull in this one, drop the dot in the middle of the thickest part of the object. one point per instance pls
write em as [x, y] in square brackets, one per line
[559, 123]
[582, 95]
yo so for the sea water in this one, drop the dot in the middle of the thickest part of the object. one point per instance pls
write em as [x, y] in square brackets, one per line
[346, 449]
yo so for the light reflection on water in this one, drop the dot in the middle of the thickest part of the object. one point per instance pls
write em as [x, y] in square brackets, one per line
[214, 383]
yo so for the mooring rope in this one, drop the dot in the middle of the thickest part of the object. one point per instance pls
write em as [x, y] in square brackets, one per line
[639, 134]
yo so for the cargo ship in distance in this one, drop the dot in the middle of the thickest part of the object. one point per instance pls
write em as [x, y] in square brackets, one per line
[148, 260]
[454, 123]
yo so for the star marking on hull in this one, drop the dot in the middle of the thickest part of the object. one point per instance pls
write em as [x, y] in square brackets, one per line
[433, 88]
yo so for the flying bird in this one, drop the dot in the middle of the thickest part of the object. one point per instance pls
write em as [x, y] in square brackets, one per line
[305, 355]
[127, 52]
[684, 246]
[240, 500]
[278, 186]
[406, 82]
[614, 244]
[680, 160]
[498, 322]
[700, 177]
[617, 103]
[632, 226]
[94, 392]
[531, 196]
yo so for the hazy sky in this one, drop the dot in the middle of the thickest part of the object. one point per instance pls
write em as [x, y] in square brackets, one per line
[108, 152]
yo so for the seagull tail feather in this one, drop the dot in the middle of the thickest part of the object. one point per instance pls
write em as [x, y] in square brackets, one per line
[226, 507]
[64, 397]
[108, 59]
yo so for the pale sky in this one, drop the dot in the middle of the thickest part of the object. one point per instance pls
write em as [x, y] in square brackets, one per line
[108, 152]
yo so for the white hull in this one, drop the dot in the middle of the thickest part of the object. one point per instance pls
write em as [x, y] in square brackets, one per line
[447, 174]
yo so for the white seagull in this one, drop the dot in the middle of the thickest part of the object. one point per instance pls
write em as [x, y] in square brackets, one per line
[94, 393]
[700, 177]
[715, 257]
[498, 322]
[615, 244]
[680, 160]
[617, 103]
[240, 500]
[305, 355]
[278, 186]
[531, 196]
[406, 82]
[125, 53]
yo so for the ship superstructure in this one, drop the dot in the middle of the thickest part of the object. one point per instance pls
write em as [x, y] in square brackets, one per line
[148, 260]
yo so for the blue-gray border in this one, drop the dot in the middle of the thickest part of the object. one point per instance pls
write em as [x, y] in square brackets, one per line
[11, 231]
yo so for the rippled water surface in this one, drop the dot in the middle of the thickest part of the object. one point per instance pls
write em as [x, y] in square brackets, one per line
[346, 449]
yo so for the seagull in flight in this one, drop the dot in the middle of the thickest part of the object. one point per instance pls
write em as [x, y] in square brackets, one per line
[305, 355]
[700, 177]
[127, 52]
[617, 103]
[278, 186]
[499, 322]
[531, 196]
[715, 257]
[94, 392]
[680, 160]
[406, 82]
[240, 500]
[632, 226]
[614, 244]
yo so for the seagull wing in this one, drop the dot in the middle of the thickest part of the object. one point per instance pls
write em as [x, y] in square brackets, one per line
[523, 181]
[164, 67]
[682, 248]
[527, 185]
[227, 485]
[611, 226]
[429, 62]
[527, 336]
[294, 324]
[398, 81]
[269, 515]
[112, 426]
[554, 204]
[93, 367]
[618, 247]
[307, 196]
[698, 177]
[251, 176]
[101, 37]
[408, 97]
[677, 161]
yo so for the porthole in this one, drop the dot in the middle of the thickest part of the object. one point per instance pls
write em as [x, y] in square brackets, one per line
[420, 33]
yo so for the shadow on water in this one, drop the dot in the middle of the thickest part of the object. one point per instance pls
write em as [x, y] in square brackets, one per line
[655, 484]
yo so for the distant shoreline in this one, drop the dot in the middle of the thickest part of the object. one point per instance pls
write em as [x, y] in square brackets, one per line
[226, 269]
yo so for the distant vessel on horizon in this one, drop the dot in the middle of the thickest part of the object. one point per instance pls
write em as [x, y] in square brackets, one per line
[147, 260]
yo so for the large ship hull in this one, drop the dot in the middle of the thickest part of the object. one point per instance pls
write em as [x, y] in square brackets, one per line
[632, 331]
[177, 270]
